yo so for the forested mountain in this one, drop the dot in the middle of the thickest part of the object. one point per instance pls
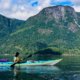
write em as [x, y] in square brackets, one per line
[54, 27]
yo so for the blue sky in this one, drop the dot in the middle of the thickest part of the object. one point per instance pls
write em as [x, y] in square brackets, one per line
[23, 9]
[69, 3]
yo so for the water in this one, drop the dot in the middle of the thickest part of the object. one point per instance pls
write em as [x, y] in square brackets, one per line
[67, 69]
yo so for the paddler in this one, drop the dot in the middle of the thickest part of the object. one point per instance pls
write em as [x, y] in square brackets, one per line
[17, 59]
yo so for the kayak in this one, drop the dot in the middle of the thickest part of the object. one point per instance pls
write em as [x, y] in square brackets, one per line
[31, 63]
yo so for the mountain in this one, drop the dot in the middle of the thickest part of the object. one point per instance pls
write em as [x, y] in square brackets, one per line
[7, 26]
[56, 27]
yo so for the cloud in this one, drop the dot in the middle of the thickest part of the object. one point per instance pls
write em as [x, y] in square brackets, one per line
[20, 9]
[77, 8]
[5, 4]
[76, 5]
[76, 2]
[23, 9]
[21, 12]
[26, 9]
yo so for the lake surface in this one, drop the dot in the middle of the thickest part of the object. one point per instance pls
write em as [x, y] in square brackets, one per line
[67, 69]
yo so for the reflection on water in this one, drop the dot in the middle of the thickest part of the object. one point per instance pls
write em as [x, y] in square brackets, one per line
[36, 72]
[29, 73]
[41, 69]
[68, 69]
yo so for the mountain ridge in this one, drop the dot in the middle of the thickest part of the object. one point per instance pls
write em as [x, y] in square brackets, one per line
[54, 27]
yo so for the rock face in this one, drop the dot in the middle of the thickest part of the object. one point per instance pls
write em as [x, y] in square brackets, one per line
[60, 13]
[54, 27]
[62, 16]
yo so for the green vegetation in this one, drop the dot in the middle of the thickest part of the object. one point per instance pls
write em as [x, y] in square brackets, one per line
[40, 32]
[19, 31]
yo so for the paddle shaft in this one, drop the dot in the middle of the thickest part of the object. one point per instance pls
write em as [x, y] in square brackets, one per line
[13, 65]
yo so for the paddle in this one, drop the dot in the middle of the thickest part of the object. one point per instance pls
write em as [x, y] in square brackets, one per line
[13, 65]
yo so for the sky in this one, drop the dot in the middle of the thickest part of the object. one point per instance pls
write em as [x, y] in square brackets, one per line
[23, 9]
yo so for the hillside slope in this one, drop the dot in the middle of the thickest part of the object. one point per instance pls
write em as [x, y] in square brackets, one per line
[54, 27]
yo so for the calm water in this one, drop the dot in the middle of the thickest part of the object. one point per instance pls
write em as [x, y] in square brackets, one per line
[67, 69]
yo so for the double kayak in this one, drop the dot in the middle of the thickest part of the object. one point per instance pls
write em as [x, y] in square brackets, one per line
[31, 63]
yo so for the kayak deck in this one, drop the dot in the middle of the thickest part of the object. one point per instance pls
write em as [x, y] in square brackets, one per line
[30, 63]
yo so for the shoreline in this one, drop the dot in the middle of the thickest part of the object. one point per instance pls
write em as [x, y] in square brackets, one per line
[70, 54]
[54, 55]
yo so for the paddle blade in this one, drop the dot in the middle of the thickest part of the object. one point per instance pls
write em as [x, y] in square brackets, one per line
[13, 65]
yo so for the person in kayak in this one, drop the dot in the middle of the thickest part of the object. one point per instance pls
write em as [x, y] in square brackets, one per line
[17, 59]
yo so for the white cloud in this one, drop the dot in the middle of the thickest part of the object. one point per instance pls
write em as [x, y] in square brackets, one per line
[26, 10]
[20, 12]
[75, 1]
[5, 4]
[23, 9]
[77, 8]
[76, 5]
[20, 15]
[43, 4]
